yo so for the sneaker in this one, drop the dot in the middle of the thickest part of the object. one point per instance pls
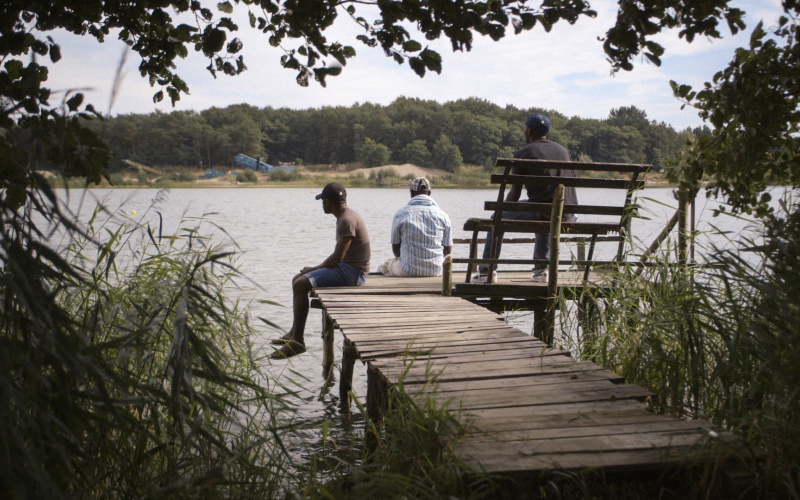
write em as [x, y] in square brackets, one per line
[483, 278]
[539, 276]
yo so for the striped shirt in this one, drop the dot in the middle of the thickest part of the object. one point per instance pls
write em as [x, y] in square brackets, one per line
[423, 230]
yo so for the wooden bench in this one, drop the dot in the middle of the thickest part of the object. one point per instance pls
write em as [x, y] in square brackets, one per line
[594, 222]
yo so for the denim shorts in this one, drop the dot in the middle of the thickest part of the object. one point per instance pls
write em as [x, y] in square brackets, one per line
[341, 275]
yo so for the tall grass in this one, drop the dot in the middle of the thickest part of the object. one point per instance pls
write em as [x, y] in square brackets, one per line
[124, 369]
[719, 342]
[410, 452]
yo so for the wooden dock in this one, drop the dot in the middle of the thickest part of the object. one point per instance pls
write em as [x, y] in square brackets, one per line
[528, 408]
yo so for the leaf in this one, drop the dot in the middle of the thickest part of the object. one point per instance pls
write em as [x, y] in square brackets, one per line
[412, 46]
[417, 65]
[74, 103]
[13, 68]
[235, 46]
[55, 53]
[213, 41]
[225, 7]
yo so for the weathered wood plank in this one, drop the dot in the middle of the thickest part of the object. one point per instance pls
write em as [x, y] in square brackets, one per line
[491, 416]
[609, 461]
[417, 373]
[612, 428]
[526, 407]
[509, 421]
[494, 351]
[580, 391]
[582, 182]
[582, 444]
[573, 165]
[447, 388]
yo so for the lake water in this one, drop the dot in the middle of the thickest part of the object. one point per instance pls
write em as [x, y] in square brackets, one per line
[277, 231]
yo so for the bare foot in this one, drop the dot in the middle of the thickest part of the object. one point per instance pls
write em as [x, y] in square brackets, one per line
[290, 348]
[284, 339]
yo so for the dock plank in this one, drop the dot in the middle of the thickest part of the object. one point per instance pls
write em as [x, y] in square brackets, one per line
[526, 407]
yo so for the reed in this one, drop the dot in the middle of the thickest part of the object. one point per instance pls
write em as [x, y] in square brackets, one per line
[719, 342]
[411, 453]
[125, 370]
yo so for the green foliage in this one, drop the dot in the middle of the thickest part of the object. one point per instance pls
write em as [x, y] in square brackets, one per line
[416, 152]
[280, 175]
[298, 28]
[126, 371]
[718, 343]
[638, 22]
[372, 154]
[467, 176]
[181, 177]
[247, 175]
[384, 176]
[426, 134]
[445, 154]
[754, 107]
[49, 141]
[411, 453]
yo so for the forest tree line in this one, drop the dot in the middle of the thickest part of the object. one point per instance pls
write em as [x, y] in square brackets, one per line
[409, 130]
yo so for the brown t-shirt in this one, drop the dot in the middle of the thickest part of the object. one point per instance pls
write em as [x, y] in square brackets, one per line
[350, 224]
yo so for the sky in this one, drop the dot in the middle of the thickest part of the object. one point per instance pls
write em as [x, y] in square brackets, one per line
[564, 70]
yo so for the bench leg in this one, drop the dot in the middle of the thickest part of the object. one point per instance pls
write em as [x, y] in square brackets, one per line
[493, 244]
[589, 259]
[539, 320]
[473, 252]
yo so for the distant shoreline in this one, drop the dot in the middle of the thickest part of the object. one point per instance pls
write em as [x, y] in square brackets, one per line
[386, 176]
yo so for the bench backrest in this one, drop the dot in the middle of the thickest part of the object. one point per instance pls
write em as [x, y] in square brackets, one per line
[616, 208]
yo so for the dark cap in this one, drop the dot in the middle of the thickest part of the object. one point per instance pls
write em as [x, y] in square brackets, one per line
[538, 123]
[333, 192]
[420, 184]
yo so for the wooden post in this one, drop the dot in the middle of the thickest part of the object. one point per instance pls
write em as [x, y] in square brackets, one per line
[327, 344]
[377, 402]
[447, 276]
[498, 215]
[349, 356]
[473, 253]
[539, 321]
[683, 228]
[552, 282]
[377, 395]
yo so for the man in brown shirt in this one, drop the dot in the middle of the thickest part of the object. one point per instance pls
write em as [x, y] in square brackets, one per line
[348, 265]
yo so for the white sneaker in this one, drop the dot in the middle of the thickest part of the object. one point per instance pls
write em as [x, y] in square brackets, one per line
[483, 278]
[539, 276]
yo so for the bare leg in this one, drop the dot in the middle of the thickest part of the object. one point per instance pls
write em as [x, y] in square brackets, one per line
[294, 341]
[300, 289]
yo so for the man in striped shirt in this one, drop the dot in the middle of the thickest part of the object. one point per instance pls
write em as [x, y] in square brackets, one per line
[421, 235]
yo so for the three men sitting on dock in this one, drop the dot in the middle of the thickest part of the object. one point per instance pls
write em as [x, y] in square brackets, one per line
[538, 147]
[348, 265]
[421, 235]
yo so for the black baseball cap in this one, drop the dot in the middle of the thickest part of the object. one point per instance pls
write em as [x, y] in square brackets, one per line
[333, 192]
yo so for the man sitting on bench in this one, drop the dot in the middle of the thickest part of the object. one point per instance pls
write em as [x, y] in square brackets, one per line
[538, 147]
